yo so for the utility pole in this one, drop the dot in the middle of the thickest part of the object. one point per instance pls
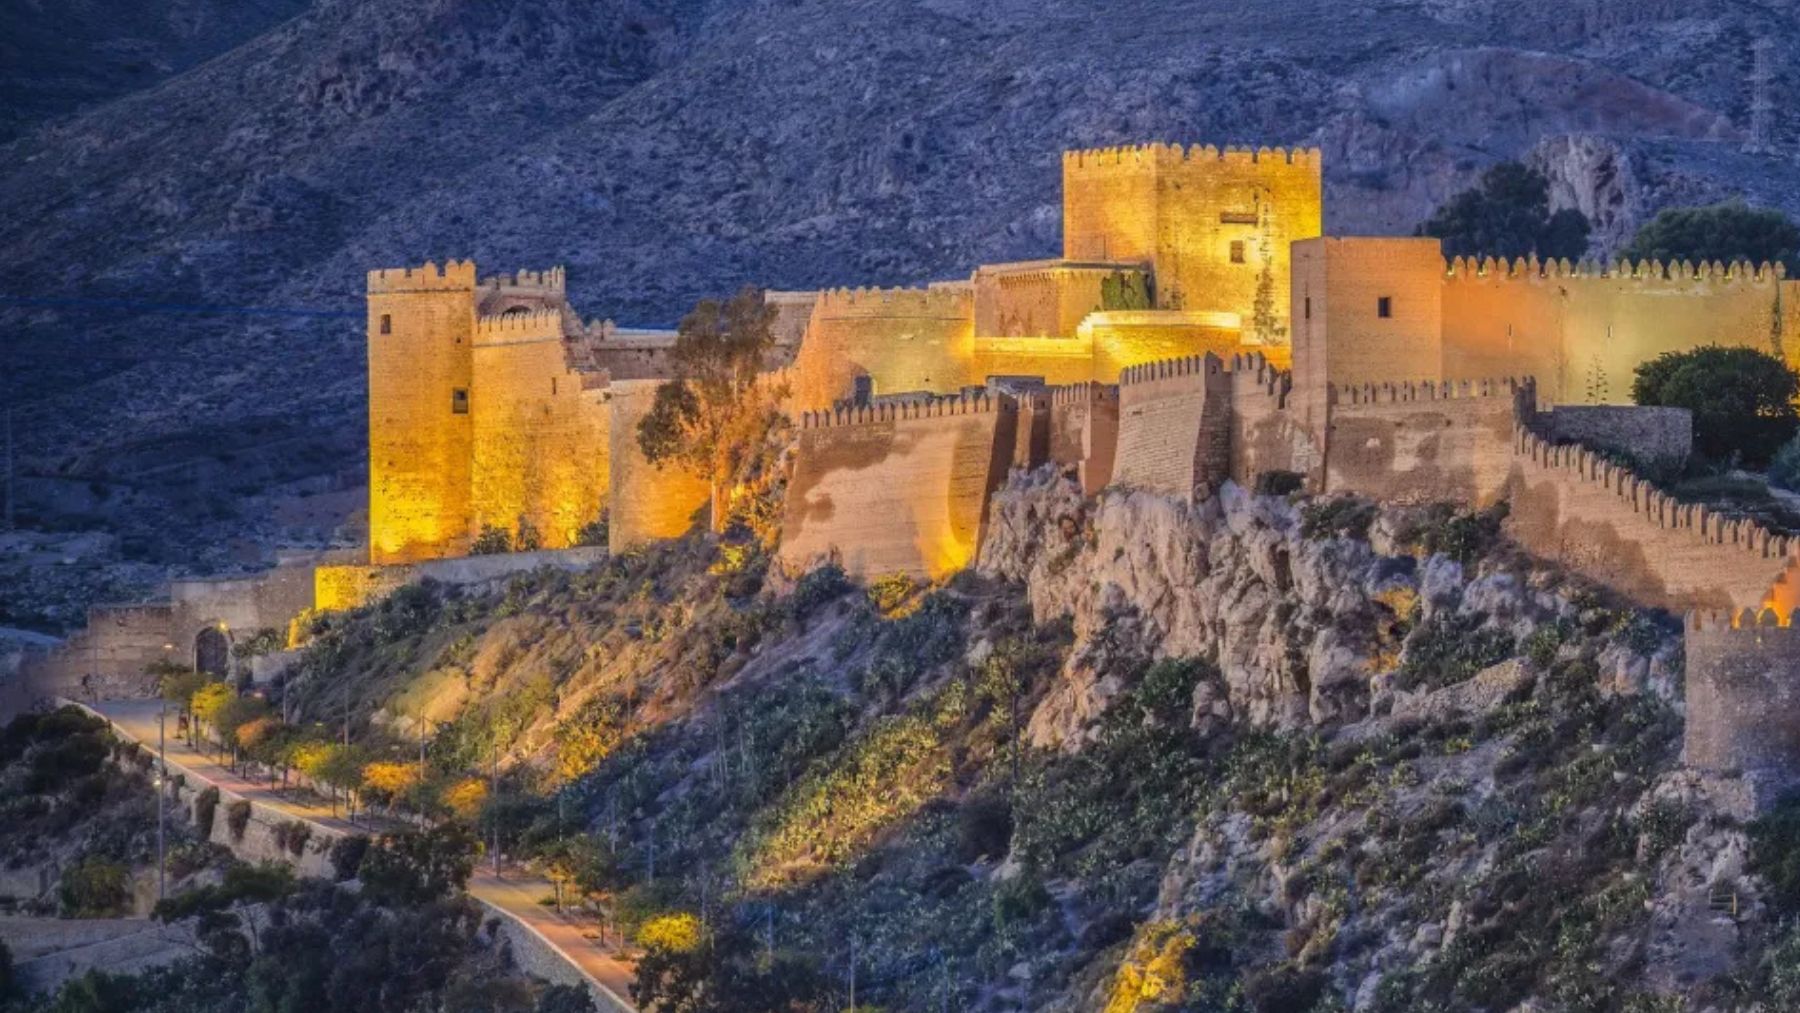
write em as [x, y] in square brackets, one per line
[493, 797]
[162, 780]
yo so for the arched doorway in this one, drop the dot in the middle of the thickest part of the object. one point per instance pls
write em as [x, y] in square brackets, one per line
[212, 652]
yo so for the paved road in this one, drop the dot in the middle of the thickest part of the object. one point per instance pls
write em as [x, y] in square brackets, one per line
[516, 892]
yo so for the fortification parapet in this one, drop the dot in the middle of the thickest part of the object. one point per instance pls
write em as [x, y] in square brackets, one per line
[936, 300]
[1532, 269]
[1649, 503]
[552, 279]
[1091, 392]
[455, 274]
[1162, 369]
[1424, 390]
[943, 407]
[517, 326]
[1161, 153]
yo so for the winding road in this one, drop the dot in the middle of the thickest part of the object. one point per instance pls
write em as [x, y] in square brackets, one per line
[515, 892]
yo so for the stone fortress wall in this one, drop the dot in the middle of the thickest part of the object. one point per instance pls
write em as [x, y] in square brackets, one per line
[897, 488]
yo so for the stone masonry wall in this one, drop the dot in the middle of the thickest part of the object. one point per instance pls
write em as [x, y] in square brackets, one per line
[907, 339]
[1422, 442]
[897, 488]
[541, 440]
[1174, 426]
[647, 502]
[1743, 697]
[1651, 435]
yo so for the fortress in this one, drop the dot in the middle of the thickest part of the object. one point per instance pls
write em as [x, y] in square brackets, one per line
[1197, 328]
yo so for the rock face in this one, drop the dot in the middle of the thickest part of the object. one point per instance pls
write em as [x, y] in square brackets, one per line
[1305, 630]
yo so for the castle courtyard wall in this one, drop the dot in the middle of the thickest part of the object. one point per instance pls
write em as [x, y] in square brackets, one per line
[897, 488]
[1084, 432]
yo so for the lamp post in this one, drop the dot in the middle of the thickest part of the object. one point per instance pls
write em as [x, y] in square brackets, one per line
[162, 778]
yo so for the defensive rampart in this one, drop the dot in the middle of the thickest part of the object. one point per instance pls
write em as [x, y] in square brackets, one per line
[906, 339]
[1654, 436]
[541, 437]
[1174, 425]
[1264, 435]
[1084, 432]
[1572, 506]
[1422, 442]
[646, 501]
[1582, 329]
[1743, 697]
[897, 488]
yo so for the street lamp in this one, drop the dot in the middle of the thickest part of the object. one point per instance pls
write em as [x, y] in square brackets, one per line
[162, 777]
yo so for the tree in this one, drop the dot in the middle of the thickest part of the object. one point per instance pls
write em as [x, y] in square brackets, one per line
[1508, 216]
[1725, 232]
[392, 779]
[491, 541]
[413, 869]
[210, 701]
[178, 684]
[229, 908]
[1742, 399]
[705, 419]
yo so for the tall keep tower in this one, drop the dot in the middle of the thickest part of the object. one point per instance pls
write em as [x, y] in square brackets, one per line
[421, 322]
[1214, 226]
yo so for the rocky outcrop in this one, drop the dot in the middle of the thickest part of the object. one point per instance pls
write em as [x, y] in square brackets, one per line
[1305, 630]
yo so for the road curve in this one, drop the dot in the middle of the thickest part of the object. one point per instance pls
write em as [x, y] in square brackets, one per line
[516, 893]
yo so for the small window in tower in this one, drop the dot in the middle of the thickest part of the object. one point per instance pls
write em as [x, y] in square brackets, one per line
[387, 323]
[459, 401]
[1307, 312]
[553, 386]
[1384, 307]
[1237, 251]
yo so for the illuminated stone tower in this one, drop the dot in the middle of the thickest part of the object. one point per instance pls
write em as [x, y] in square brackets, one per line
[1214, 226]
[420, 438]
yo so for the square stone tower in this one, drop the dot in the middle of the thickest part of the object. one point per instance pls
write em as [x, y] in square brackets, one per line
[1213, 226]
[421, 323]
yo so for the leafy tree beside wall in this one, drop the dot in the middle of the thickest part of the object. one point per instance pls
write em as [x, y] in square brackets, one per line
[1122, 291]
[1742, 399]
[705, 419]
[1725, 233]
[1508, 216]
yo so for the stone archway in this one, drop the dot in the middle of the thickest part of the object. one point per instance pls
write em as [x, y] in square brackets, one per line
[212, 652]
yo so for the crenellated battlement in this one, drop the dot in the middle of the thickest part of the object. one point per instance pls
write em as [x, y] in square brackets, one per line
[1177, 154]
[1532, 269]
[1424, 390]
[454, 275]
[513, 326]
[1651, 504]
[1091, 392]
[551, 279]
[1749, 621]
[944, 407]
[935, 300]
[1163, 369]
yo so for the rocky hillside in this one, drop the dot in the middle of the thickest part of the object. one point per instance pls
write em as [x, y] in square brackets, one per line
[666, 149]
[1251, 755]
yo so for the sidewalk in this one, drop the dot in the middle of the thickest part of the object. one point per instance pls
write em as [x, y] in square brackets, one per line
[515, 893]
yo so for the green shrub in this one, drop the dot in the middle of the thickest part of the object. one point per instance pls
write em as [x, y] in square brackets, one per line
[1279, 483]
[1784, 467]
[1448, 648]
[1742, 399]
[817, 587]
[95, 888]
[237, 818]
[347, 854]
[984, 827]
[206, 804]
[491, 541]
[1339, 517]
[1775, 854]
[292, 835]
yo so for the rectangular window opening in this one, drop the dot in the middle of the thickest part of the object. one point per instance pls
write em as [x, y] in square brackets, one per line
[1308, 308]
[1384, 307]
[1237, 251]
[459, 401]
[387, 323]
